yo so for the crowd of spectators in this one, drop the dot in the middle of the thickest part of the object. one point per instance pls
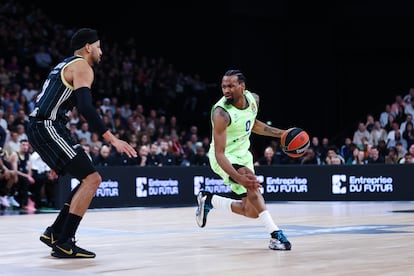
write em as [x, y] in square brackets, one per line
[149, 103]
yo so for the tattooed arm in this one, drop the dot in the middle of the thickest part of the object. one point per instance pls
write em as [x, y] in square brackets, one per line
[266, 130]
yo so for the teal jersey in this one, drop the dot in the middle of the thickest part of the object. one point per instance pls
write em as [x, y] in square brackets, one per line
[238, 136]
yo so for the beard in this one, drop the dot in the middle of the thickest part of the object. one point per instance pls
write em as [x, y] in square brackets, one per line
[229, 101]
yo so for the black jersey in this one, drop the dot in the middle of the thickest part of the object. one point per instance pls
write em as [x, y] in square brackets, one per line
[56, 98]
[23, 162]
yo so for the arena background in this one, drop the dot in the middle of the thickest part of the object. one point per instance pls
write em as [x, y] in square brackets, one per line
[320, 66]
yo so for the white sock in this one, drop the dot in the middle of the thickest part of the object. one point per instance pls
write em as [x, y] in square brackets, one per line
[220, 202]
[267, 221]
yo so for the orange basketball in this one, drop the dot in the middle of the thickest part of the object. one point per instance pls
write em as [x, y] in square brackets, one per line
[294, 142]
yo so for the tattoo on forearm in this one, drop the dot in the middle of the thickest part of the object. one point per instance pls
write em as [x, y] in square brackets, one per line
[267, 129]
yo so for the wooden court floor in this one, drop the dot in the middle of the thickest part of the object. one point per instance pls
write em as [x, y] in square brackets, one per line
[328, 238]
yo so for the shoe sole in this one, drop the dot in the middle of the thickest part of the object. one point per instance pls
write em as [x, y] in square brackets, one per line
[200, 217]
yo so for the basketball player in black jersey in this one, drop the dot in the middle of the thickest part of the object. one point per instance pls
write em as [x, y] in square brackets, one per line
[68, 85]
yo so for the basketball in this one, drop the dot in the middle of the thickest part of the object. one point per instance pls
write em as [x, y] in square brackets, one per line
[294, 142]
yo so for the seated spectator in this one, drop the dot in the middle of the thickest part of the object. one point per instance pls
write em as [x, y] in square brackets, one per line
[347, 148]
[199, 158]
[336, 160]
[360, 134]
[408, 119]
[408, 134]
[407, 159]
[42, 189]
[141, 159]
[377, 133]
[165, 155]
[268, 158]
[369, 124]
[374, 157]
[397, 139]
[358, 157]
[333, 153]
[104, 157]
[153, 159]
[310, 157]
[392, 156]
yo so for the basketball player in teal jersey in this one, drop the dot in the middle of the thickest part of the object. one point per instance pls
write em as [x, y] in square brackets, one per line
[233, 119]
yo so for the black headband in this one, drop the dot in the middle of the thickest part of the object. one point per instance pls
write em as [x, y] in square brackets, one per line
[83, 36]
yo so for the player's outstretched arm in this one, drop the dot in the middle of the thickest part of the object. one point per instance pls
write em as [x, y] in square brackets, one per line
[261, 128]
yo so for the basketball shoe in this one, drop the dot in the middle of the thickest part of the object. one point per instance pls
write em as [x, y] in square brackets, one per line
[278, 241]
[69, 249]
[204, 206]
[48, 237]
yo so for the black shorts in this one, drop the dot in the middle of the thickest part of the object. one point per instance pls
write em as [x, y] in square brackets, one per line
[55, 145]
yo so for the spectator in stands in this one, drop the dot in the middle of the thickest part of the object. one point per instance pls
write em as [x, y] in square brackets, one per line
[21, 162]
[165, 155]
[375, 157]
[8, 180]
[391, 134]
[409, 109]
[84, 132]
[141, 160]
[106, 105]
[317, 147]
[390, 122]
[332, 153]
[29, 91]
[21, 132]
[407, 97]
[95, 140]
[268, 158]
[21, 119]
[360, 135]
[104, 159]
[42, 190]
[3, 121]
[382, 148]
[377, 133]
[357, 158]
[310, 157]
[12, 144]
[398, 139]
[200, 158]
[88, 151]
[43, 59]
[347, 148]
[383, 118]
[406, 159]
[369, 123]
[392, 156]
[408, 118]
[408, 134]
[153, 159]
[401, 150]
[399, 112]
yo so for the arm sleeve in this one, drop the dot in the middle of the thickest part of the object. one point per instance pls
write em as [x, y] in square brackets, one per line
[86, 108]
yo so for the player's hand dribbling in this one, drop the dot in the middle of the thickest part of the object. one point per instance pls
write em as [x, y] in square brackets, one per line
[250, 182]
[124, 147]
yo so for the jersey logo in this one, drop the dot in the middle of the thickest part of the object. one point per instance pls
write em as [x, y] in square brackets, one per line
[254, 107]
